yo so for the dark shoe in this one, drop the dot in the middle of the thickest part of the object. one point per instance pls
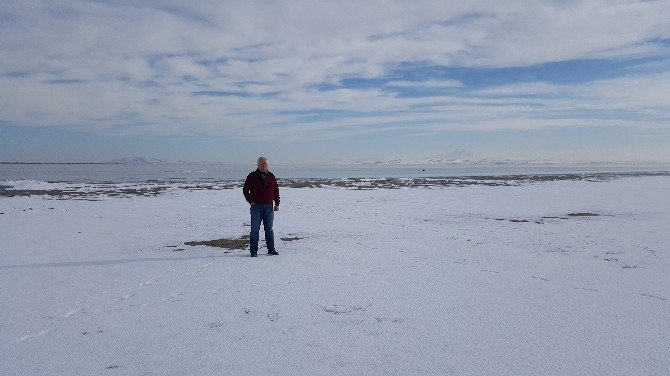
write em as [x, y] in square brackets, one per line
[253, 255]
[273, 253]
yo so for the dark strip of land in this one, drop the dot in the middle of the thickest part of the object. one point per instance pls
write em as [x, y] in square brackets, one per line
[95, 191]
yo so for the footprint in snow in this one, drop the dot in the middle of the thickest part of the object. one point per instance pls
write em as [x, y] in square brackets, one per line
[173, 298]
[585, 289]
[87, 333]
[653, 296]
[72, 313]
[33, 335]
[214, 325]
[124, 297]
[148, 282]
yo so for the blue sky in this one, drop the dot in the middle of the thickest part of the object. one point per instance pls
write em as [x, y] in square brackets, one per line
[311, 81]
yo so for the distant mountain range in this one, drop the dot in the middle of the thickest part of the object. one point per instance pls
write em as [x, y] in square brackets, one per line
[139, 160]
[482, 161]
[144, 160]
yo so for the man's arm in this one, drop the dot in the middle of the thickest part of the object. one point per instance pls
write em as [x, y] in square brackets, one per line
[246, 189]
[276, 194]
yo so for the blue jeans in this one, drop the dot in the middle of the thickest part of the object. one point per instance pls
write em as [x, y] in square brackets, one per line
[262, 213]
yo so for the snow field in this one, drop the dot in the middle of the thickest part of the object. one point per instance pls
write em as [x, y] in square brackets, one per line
[464, 281]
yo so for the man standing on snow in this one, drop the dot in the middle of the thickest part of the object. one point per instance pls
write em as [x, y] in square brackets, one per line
[261, 190]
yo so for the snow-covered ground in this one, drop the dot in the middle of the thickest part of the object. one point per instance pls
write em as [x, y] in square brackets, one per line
[479, 280]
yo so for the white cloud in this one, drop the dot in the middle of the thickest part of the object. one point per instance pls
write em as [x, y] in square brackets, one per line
[427, 84]
[522, 89]
[141, 62]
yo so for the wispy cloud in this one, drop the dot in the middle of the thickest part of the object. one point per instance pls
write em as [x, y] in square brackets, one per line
[244, 68]
[428, 84]
[65, 81]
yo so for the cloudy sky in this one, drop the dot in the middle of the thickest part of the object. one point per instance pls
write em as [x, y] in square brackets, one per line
[320, 81]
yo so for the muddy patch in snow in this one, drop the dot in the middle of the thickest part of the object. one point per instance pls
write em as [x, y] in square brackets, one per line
[228, 243]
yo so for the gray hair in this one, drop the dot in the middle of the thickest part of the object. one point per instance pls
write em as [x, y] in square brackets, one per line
[261, 159]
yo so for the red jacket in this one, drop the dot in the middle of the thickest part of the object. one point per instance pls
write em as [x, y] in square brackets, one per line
[260, 191]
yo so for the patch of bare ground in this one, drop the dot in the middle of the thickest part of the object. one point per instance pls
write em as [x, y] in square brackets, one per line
[541, 219]
[97, 191]
[582, 215]
[228, 243]
[291, 239]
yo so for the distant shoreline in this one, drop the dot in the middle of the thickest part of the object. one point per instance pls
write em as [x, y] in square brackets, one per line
[363, 164]
[133, 172]
[97, 191]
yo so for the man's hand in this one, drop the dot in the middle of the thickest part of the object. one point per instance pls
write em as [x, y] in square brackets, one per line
[276, 207]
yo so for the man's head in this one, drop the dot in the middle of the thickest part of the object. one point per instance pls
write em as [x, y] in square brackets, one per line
[263, 164]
